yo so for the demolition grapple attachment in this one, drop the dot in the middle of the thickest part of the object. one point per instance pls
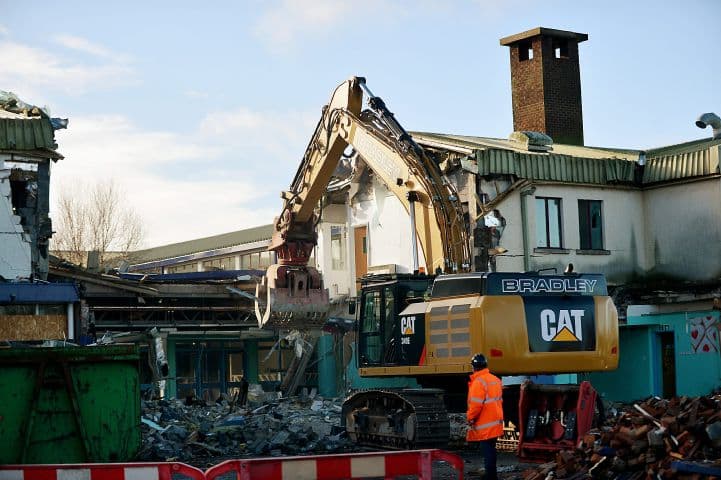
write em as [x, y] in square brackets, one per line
[291, 297]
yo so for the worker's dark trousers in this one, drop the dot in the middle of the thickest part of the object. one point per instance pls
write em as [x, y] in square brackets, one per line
[488, 450]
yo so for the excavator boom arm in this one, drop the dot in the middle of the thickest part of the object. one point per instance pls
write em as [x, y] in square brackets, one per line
[292, 292]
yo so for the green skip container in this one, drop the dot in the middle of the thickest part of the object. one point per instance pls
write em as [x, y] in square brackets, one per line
[69, 404]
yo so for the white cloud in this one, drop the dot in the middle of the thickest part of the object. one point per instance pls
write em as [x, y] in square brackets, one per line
[282, 134]
[84, 45]
[281, 25]
[35, 71]
[4, 31]
[213, 180]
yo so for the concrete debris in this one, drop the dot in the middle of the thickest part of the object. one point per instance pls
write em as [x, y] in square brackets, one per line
[658, 438]
[202, 434]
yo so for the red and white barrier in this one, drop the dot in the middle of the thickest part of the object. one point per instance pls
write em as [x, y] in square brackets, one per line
[102, 471]
[386, 465]
[356, 466]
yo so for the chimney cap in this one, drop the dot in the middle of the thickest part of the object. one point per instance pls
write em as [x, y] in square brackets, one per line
[546, 32]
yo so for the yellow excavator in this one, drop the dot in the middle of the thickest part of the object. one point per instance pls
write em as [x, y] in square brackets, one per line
[292, 295]
[418, 326]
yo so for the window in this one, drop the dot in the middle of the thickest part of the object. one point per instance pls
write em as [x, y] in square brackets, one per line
[336, 247]
[548, 223]
[370, 339]
[590, 224]
[265, 259]
[188, 267]
[207, 369]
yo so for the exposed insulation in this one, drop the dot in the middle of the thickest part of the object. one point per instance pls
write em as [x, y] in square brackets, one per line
[33, 327]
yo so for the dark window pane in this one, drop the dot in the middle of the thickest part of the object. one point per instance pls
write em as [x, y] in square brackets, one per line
[457, 286]
[590, 224]
[370, 341]
[211, 366]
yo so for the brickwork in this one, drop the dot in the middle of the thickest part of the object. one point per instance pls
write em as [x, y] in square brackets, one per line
[546, 90]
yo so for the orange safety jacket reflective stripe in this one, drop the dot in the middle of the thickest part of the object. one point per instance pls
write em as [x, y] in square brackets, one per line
[485, 406]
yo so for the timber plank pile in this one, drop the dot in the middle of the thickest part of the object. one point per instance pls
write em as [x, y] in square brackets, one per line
[677, 438]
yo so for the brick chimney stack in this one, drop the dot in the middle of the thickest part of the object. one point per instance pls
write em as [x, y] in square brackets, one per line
[546, 83]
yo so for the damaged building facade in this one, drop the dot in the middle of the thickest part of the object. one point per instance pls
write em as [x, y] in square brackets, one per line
[30, 307]
[541, 199]
[196, 299]
[538, 199]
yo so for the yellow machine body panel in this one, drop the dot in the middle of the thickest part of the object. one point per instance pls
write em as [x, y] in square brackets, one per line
[538, 333]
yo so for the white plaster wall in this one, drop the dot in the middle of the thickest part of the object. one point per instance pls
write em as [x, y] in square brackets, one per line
[389, 229]
[338, 282]
[623, 225]
[15, 258]
[683, 224]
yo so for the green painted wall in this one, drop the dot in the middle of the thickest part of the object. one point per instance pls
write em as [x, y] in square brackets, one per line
[326, 366]
[633, 379]
[698, 372]
[696, 359]
[355, 381]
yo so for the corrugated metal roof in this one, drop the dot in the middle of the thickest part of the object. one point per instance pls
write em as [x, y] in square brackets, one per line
[215, 242]
[476, 143]
[688, 160]
[554, 167]
[26, 133]
[496, 156]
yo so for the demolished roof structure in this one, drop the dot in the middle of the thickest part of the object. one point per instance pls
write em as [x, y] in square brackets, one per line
[27, 146]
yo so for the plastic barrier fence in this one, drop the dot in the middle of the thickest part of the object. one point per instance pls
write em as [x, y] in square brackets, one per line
[387, 465]
[102, 471]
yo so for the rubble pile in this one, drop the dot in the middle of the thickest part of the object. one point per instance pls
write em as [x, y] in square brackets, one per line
[192, 431]
[642, 440]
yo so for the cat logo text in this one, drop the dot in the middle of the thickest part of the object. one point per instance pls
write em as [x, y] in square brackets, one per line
[564, 326]
[408, 325]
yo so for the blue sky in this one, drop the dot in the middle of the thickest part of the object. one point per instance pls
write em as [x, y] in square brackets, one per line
[201, 113]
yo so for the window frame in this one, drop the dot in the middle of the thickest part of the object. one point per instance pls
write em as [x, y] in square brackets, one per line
[337, 247]
[585, 205]
[547, 229]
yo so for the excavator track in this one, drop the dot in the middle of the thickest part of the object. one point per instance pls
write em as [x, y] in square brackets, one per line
[397, 419]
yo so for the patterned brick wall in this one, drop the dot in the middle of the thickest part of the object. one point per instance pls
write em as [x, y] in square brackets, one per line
[546, 90]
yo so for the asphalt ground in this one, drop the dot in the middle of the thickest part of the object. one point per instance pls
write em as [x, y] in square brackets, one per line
[508, 465]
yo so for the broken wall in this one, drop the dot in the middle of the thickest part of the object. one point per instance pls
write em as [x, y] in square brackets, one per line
[334, 253]
[15, 256]
[389, 227]
[31, 200]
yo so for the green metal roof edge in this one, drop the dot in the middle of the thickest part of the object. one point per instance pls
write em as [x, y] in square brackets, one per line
[230, 239]
[554, 167]
[693, 145]
[26, 134]
[688, 163]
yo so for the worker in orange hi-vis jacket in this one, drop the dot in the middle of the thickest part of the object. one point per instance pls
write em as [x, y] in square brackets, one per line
[485, 412]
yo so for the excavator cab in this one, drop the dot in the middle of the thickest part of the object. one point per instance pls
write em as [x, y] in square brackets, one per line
[380, 334]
